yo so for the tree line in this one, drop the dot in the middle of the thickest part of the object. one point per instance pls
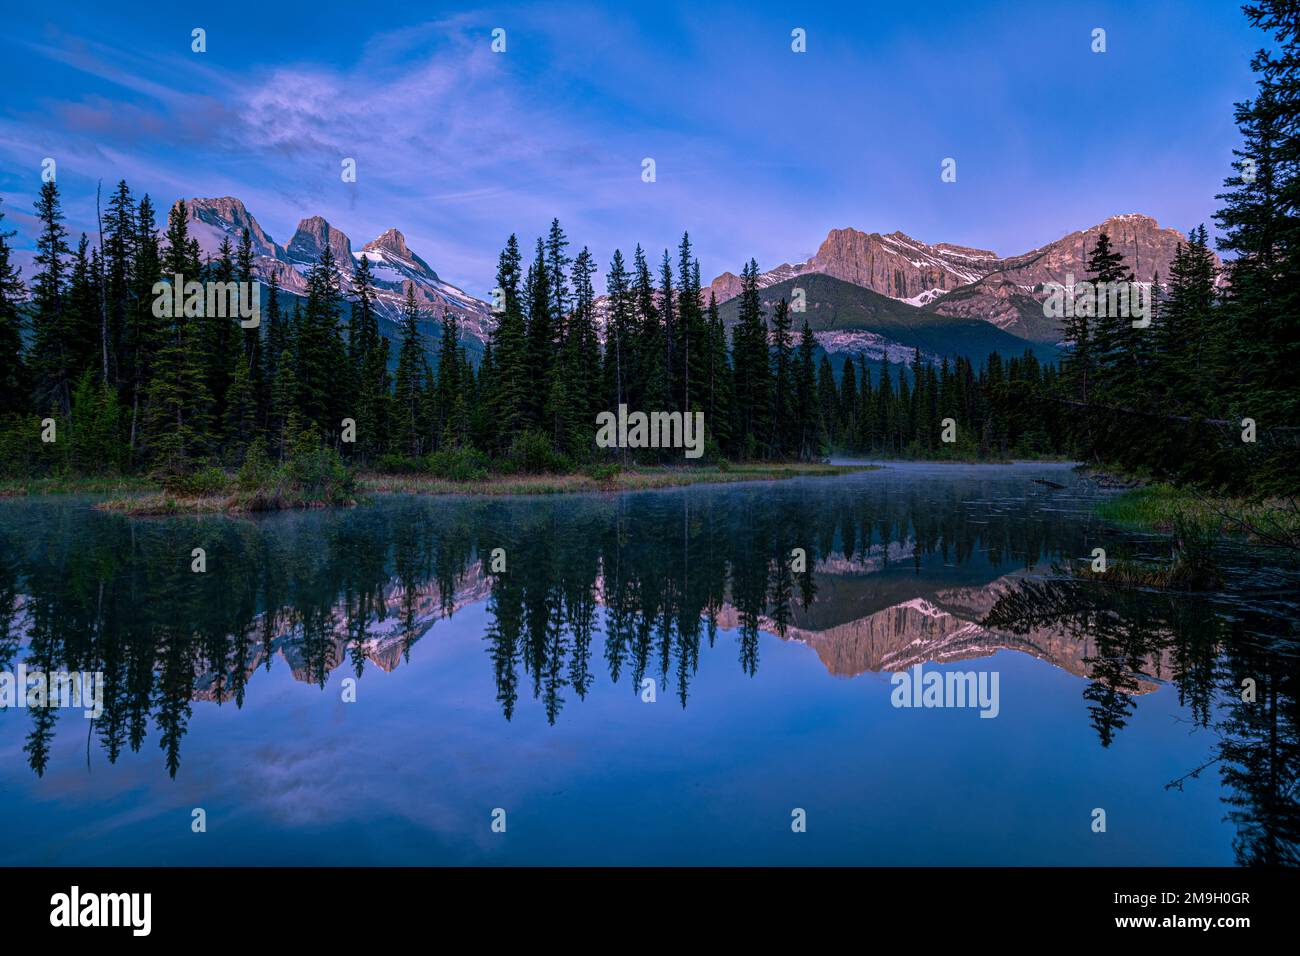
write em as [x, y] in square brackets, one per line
[137, 392]
[1205, 393]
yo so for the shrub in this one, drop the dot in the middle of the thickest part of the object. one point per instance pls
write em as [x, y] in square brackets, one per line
[401, 465]
[257, 471]
[22, 453]
[318, 473]
[458, 464]
[204, 482]
[604, 471]
[531, 454]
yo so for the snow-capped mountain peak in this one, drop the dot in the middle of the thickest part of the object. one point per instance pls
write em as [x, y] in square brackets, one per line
[394, 265]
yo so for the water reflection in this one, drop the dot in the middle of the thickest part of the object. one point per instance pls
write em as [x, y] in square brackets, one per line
[625, 588]
[1233, 660]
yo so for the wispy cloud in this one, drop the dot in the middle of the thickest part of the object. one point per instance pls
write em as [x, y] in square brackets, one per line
[759, 151]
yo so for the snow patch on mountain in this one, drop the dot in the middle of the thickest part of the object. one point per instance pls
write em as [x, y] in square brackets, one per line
[871, 344]
[394, 266]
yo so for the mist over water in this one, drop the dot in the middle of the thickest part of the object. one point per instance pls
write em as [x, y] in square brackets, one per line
[526, 689]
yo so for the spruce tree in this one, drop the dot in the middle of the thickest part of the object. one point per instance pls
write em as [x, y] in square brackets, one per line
[49, 285]
[509, 385]
[580, 365]
[120, 250]
[450, 382]
[828, 400]
[718, 374]
[783, 383]
[542, 325]
[807, 418]
[752, 373]
[408, 394]
[618, 332]
[14, 383]
[146, 333]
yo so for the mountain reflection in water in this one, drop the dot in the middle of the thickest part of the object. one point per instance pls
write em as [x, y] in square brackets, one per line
[902, 567]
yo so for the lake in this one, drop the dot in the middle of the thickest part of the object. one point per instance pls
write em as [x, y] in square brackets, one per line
[694, 676]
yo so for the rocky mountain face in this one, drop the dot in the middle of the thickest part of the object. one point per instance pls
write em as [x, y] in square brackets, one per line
[851, 320]
[943, 279]
[964, 282]
[393, 264]
[1011, 297]
[311, 238]
[895, 265]
[899, 266]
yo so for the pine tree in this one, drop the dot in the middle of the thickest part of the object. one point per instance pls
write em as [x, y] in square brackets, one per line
[120, 239]
[285, 422]
[1261, 226]
[368, 368]
[828, 401]
[277, 341]
[14, 382]
[241, 411]
[752, 374]
[807, 417]
[509, 385]
[252, 336]
[718, 374]
[540, 366]
[450, 381]
[650, 377]
[618, 332]
[1113, 346]
[580, 365]
[49, 341]
[178, 419]
[689, 346]
[668, 332]
[783, 382]
[848, 406]
[887, 411]
[409, 382]
[145, 334]
[320, 354]
[81, 316]
[556, 264]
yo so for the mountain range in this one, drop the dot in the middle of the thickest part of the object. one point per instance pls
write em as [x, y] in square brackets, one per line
[879, 295]
[959, 281]
[392, 263]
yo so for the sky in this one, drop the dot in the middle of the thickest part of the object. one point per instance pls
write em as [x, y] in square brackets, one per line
[759, 151]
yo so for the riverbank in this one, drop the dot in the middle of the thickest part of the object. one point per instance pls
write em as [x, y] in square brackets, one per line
[630, 479]
[1166, 508]
[140, 496]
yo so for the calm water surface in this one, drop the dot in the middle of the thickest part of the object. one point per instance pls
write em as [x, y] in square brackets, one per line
[524, 689]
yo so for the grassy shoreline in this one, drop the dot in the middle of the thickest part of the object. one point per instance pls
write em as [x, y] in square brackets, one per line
[1166, 509]
[141, 496]
[631, 479]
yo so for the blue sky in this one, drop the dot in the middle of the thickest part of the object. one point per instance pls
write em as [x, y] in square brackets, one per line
[759, 151]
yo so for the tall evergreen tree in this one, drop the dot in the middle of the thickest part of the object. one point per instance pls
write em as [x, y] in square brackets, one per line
[49, 319]
[409, 382]
[508, 384]
[14, 384]
[807, 417]
[752, 372]
[783, 382]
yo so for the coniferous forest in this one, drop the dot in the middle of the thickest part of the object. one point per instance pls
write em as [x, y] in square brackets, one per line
[600, 545]
[1203, 395]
